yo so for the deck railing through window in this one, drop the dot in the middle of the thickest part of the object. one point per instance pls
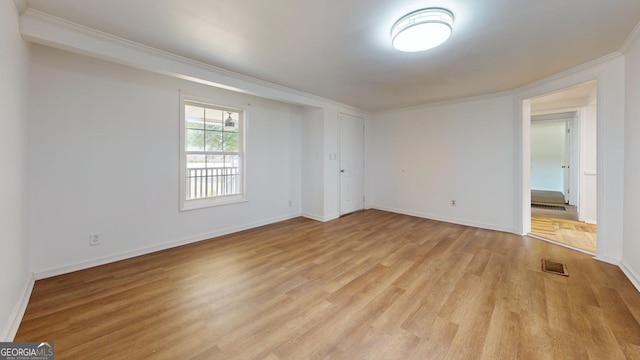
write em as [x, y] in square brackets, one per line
[209, 182]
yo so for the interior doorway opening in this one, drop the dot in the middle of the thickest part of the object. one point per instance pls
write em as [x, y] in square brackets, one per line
[563, 167]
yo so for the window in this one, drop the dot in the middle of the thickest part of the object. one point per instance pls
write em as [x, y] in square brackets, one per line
[212, 143]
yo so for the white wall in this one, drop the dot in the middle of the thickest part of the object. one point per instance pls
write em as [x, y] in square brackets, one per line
[104, 140]
[422, 158]
[589, 193]
[548, 146]
[14, 268]
[631, 257]
[313, 164]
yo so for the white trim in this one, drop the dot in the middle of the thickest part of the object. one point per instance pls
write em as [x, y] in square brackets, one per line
[628, 42]
[11, 329]
[595, 70]
[607, 260]
[195, 204]
[631, 275]
[572, 71]
[204, 203]
[313, 217]
[42, 28]
[320, 218]
[331, 217]
[449, 102]
[474, 224]
[43, 274]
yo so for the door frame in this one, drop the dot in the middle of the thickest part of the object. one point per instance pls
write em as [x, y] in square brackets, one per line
[523, 157]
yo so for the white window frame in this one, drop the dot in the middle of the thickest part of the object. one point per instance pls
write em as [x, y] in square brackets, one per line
[207, 202]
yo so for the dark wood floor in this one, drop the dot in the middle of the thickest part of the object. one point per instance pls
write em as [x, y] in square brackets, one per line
[371, 285]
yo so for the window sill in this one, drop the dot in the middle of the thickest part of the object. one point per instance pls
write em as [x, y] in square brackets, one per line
[188, 205]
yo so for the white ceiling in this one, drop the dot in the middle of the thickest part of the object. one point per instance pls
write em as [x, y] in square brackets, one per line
[341, 50]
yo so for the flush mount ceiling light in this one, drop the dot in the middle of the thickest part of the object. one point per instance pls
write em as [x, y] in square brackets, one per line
[422, 29]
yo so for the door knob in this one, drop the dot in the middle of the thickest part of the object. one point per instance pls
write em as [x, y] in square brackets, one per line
[342, 170]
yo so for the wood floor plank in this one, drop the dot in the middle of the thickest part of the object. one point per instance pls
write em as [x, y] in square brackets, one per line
[373, 285]
[570, 232]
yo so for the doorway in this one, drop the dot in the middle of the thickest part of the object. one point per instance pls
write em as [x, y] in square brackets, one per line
[563, 159]
[550, 155]
[351, 163]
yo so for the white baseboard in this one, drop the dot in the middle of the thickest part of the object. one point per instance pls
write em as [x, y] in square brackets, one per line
[631, 275]
[9, 333]
[319, 218]
[608, 260]
[43, 274]
[313, 216]
[448, 220]
[331, 217]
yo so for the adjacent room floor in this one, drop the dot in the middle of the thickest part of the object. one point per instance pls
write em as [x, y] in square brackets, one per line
[370, 285]
[554, 220]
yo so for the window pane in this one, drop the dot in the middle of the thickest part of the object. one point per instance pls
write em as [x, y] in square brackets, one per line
[213, 127]
[197, 178]
[214, 121]
[209, 129]
[196, 161]
[215, 161]
[231, 161]
[194, 116]
[213, 141]
[214, 116]
[231, 122]
[221, 180]
[195, 140]
[231, 142]
[231, 177]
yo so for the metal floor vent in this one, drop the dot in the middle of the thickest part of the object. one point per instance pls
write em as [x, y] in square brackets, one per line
[549, 207]
[554, 268]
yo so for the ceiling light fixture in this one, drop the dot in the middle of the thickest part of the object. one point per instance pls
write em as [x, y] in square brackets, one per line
[422, 29]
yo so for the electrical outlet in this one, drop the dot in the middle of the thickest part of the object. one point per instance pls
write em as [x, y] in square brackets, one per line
[290, 203]
[453, 203]
[94, 239]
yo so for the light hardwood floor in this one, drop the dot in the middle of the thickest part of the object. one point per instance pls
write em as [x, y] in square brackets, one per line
[371, 285]
[564, 227]
[570, 232]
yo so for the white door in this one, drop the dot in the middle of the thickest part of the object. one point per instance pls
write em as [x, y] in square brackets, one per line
[351, 164]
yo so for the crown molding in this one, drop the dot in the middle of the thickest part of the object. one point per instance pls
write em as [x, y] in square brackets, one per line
[574, 70]
[630, 40]
[448, 102]
[21, 5]
[45, 29]
[571, 71]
